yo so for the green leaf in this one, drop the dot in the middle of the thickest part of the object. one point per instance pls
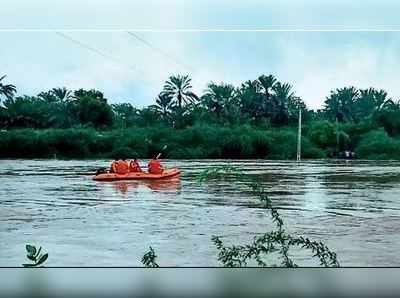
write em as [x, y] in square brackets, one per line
[38, 252]
[31, 250]
[29, 265]
[42, 259]
[32, 258]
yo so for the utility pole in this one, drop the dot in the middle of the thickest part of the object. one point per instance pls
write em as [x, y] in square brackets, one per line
[337, 136]
[299, 138]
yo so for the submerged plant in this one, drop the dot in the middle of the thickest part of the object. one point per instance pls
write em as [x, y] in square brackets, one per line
[276, 241]
[149, 259]
[218, 173]
[35, 256]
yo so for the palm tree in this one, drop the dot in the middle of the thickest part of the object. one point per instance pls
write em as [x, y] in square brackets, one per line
[7, 90]
[217, 97]
[341, 104]
[48, 96]
[179, 89]
[257, 97]
[372, 101]
[124, 110]
[282, 97]
[62, 93]
[163, 105]
[125, 113]
[283, 92]
[266, 84]
[251, 100]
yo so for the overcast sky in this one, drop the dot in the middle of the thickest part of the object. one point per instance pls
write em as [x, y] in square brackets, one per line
[129, 70]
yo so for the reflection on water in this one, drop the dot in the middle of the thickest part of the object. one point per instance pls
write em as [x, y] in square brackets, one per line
[171, 184]
[353, 206]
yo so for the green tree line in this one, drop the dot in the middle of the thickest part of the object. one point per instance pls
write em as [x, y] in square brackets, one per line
[254, 120]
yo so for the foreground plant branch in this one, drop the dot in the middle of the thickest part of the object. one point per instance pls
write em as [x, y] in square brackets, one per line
[35, 256]
[149, 259]
[277, 241]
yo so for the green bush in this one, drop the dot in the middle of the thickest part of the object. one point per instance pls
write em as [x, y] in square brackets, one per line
[323, 134]
[356, 131]
[378, 144]
[310, 151]
[390, 120]
[284, 144]
[198, 141]
[262, 144]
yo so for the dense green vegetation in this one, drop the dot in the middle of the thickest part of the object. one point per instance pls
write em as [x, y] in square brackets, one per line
[257, 119]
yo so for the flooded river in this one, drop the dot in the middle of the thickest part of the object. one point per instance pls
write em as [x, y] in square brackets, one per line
[353, 206]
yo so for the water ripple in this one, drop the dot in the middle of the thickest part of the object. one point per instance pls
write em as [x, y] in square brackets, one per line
[352, 205]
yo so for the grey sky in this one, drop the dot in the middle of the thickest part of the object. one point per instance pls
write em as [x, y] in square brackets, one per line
[313, 62]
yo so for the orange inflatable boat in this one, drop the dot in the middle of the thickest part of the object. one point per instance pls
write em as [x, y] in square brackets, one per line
[167, 173]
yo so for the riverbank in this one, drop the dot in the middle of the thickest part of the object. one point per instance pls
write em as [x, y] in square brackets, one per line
[195, 142]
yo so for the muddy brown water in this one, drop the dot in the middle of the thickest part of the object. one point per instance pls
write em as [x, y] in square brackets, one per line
[354, 206]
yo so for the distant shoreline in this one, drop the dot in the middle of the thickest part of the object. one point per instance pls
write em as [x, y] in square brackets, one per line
[195, 142]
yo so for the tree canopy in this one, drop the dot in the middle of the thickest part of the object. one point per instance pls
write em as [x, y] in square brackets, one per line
[348, 113]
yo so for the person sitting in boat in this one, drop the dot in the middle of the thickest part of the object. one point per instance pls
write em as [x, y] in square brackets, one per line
[123, 167]
[154, 166]
[134, 166]
[120, 166]
[114, 164]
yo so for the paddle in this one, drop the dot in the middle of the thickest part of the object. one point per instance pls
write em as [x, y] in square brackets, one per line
[101, 171]
[159, 154]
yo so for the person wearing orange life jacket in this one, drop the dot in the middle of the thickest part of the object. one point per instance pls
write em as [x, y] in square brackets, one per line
[134, 166]
[122, 167]
[155, 166]
[113, 167]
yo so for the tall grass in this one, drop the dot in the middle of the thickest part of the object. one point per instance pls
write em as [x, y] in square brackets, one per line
[198, 141]
[378, 144]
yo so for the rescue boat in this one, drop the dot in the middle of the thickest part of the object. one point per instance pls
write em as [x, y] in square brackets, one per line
[167, 173]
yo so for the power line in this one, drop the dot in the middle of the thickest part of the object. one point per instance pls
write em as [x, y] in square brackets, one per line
[92, 49]
[326, 28]
[165, 54]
